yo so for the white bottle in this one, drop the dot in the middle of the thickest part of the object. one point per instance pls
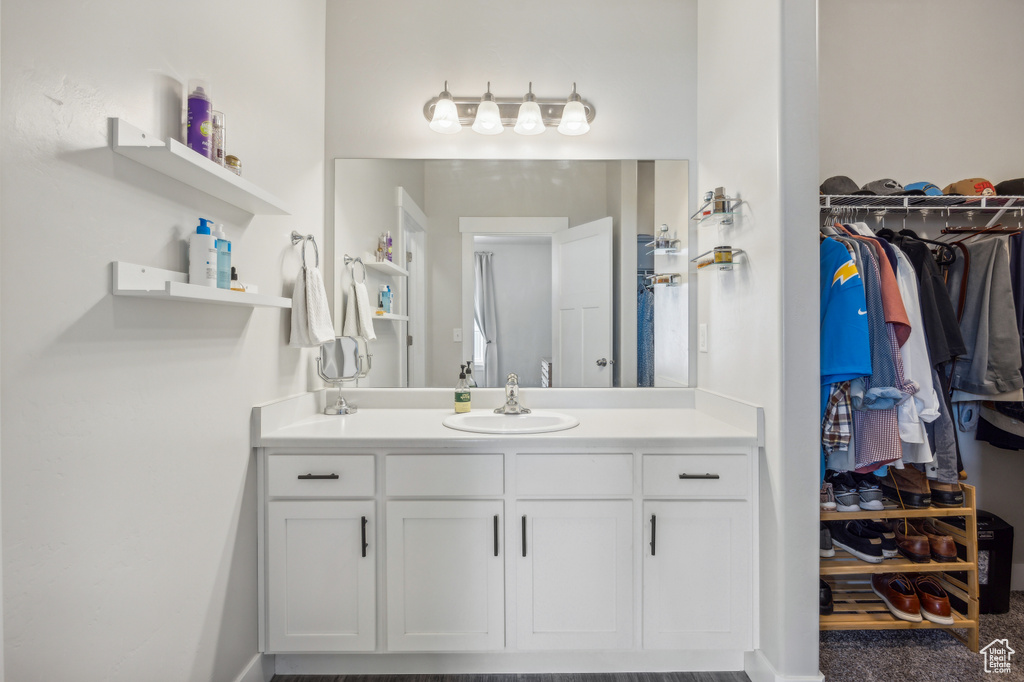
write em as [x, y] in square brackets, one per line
[202, 256]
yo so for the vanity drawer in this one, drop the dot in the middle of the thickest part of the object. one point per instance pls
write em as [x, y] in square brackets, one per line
[320, 475]
[416, 475]
[697, 475]
[574, 474]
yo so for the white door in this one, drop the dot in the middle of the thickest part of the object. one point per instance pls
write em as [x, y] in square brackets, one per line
[413, 229]
[581, 322]
[575, 575]
[446, 576]
[321, 576]
[697, 575]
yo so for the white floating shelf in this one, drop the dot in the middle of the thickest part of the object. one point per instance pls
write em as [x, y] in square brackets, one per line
[177, 161]
[147, 282]
[387, 267]
[390, 316]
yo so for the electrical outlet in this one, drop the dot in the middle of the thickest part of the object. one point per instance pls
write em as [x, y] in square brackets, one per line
[702, 338]
[457, 335]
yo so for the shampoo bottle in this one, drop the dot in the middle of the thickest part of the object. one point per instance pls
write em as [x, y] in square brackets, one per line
[202, 256]
[223, 259]
[462, 397]
[199, 135]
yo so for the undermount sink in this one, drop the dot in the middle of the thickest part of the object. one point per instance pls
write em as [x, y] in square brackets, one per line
[537, 421]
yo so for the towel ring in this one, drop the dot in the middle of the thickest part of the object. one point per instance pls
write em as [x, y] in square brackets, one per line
[350, 261]
[296, 238]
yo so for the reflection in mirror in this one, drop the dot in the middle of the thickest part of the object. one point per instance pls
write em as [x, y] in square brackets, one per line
[542, 268]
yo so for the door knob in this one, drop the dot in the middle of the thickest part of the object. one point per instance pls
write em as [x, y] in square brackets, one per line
[604, 362]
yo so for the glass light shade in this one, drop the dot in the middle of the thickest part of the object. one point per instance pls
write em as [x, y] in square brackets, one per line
[488, 119]
[529, 121]
[446, 117]
[574, 119]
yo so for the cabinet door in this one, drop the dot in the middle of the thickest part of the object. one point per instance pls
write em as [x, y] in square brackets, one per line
[575, 575]
[697, 575]
[320, 580]
[445, 572]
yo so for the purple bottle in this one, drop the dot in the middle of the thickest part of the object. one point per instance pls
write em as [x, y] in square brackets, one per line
[199, 134]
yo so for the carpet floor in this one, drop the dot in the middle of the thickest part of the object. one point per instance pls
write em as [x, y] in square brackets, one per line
[557, 677]
[921, 655]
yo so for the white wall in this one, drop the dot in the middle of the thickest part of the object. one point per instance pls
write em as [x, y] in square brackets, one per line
[926, 131]
[757, 121]
[129, 497]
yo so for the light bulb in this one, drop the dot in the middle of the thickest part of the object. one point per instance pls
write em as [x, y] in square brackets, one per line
[574, 116]
[488, 117]
[446, 114]
[529, 121]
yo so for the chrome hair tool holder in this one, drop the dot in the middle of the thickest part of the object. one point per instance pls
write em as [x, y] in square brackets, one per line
[342, 360]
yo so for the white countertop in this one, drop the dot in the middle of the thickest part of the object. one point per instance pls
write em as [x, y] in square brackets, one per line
[373, 427]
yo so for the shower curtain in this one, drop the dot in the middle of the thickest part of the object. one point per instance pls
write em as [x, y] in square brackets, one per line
[483, 309]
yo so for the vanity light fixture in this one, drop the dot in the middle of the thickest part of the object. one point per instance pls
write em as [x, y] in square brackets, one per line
[445, 119]
[574, 116]
[488, 117]
[529, 121]
[527, 115]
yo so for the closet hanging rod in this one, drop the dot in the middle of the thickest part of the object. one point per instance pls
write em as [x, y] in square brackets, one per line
[982, 230]
[918, 203]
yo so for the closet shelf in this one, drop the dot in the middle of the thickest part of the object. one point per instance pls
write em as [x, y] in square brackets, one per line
[390, 316]
[387, 267]
[147, 282]
[177, 161]
[919, 203]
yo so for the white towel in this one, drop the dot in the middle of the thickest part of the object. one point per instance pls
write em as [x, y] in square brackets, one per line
[311, 320]
[358, 314]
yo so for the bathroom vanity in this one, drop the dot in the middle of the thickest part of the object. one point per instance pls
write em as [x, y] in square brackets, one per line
[399, 545]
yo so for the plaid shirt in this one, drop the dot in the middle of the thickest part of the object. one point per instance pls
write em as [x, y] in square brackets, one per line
[836, 427]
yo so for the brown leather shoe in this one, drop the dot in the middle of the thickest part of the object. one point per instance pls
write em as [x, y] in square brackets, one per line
[941, 545]
[910, 544]
[933, 599]
[899, 595]
[946, 494]
[907, 487]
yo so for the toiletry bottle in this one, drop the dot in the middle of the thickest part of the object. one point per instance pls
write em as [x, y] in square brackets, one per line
[462, 397]
[469, 375]
[200, 113]
[380, 248]
[390, 256]
[218, 137]
[235, 284]
[223, 258]
[202, 256]
[390, 307]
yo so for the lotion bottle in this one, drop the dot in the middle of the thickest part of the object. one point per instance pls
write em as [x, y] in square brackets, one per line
[462, 396]
[223, 258]
[202, 256]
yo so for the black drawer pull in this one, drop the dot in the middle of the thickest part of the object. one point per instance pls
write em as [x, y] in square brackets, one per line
[495, 535]
[524, 534]
[699, 476]
[654, 532]
[365, 545]
[311, 477]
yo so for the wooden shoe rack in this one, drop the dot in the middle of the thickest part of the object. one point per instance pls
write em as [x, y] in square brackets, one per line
[856, 607]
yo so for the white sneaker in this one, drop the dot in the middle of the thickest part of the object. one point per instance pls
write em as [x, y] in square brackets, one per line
[828, 497]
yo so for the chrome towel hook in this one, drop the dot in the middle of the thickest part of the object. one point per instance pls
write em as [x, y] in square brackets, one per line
[296, 238]
[351, 262]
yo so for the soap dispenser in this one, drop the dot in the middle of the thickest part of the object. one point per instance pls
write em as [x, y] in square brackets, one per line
[462, 396]
[202, 256]
[469, 375]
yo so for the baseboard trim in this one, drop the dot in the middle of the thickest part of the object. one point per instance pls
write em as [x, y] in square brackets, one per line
[259, 669]
[759, 669]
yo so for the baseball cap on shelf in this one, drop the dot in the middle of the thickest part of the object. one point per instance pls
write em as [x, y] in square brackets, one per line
[971, 187]
[1013, 188]
[926, 187]
[886, 186]
[840, 184]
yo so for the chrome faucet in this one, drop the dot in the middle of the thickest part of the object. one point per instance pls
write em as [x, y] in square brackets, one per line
[512, 405]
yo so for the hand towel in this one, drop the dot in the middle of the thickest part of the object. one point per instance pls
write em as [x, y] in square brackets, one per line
[358, 315]
[311, 321]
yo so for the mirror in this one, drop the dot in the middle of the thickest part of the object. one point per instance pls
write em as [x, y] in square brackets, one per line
[551, 262]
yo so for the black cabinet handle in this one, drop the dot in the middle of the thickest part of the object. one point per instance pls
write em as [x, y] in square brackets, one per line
[311, 477]
[364, 537]
[524, 534]
[699, 476]
[654, 532]
[495, 535]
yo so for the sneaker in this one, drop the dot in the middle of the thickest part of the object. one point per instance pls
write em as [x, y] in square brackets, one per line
[824, 598]
[845, 490]
[868, 491]
[885, 534]
[851, 536]
[828, 498]
[898, 593]
[825, 548]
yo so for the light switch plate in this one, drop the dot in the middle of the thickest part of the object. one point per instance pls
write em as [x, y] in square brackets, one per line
[457, 335]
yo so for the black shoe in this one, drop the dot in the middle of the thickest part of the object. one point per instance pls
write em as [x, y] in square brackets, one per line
[883, 533]
[855, 539]
[825, 548]
[824, 598]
